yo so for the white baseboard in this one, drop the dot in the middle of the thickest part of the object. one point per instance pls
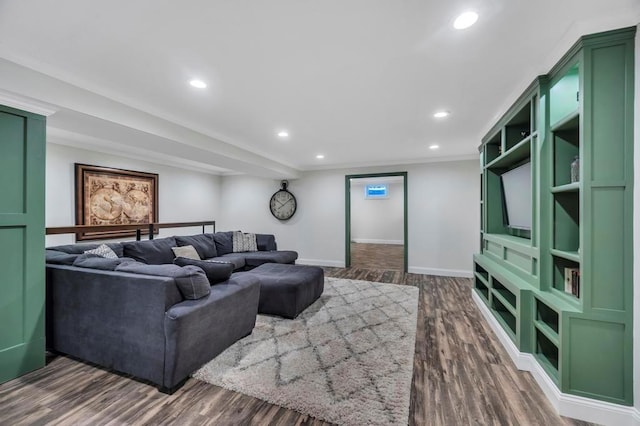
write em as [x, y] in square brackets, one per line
[373, 241]
[321, 262]
[441, 272]
[577, 407]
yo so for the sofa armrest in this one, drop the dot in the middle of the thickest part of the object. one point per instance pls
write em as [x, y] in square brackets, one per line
[199, 330]
[266, 242]
[113, 319]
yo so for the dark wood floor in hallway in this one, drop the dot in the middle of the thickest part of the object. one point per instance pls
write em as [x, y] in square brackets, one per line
[388, 257]
[461, 376]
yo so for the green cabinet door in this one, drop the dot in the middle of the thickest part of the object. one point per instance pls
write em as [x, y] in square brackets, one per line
[22, 284]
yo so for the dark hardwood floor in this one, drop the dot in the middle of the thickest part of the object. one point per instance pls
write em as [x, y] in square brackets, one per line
[388, 257]
[461, 376]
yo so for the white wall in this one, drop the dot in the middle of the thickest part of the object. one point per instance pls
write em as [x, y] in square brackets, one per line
[183, 195]
[378, 221]
[443, 214]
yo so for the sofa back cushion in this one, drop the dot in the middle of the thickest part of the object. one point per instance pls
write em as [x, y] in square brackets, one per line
[266, 242]
[216, 271]
[94, 261]
[151, 252]
[59, 257]
[224, 242]
[82, 247]
[203, 243]
[191, 280]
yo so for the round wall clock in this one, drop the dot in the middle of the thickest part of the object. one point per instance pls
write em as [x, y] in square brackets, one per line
[283, 204]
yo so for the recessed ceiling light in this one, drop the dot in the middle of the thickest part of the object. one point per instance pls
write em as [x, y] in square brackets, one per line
[434, 146]
[283, 134]
[465, 20]
[198, 83]
[441, 114]
[319, 156]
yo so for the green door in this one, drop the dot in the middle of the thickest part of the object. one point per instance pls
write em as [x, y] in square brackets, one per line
[22, 285]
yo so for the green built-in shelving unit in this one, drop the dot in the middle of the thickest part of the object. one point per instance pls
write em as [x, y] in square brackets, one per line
[580, 330]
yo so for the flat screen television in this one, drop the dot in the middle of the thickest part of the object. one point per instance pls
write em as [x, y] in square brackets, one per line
[516, 197]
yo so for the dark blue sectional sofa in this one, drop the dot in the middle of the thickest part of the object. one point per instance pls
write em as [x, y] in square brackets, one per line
[142, 315]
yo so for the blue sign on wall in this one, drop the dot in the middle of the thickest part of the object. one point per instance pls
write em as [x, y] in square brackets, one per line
[376, 191]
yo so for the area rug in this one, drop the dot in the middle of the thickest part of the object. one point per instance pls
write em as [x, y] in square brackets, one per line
[347, 359]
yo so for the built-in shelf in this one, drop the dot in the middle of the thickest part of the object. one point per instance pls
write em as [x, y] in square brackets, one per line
[519, 152]
[573, 256]
[569, 121]
[504, 296]
[569, 187]
[548, 332]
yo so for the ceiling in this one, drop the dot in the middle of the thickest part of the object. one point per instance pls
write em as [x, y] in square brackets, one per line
[357, 81]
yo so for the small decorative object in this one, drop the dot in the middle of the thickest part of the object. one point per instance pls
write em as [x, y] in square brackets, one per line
[106, 196]
[575, 169]
[283, 203]
[525, 133]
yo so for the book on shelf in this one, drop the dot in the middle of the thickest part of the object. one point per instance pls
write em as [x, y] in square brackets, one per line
[572, 281]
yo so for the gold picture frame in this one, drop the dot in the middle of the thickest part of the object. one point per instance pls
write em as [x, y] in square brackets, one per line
[108, 196]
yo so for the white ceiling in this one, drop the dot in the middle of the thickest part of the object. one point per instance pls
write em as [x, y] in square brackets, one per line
[357, 81]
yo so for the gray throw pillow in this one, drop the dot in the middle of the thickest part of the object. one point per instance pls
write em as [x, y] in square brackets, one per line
[224, 242]
[216, 272]
[191, 280]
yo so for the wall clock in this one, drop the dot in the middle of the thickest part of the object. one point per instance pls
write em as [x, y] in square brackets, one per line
[283, 203]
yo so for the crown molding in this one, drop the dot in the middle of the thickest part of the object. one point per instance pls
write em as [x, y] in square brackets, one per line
[24, 103]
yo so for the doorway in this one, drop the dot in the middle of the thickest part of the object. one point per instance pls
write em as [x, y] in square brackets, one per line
[363, 191]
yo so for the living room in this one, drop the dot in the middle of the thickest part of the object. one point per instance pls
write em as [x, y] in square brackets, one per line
[224, 166]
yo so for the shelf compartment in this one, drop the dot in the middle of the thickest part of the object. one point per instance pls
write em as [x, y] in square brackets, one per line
[516, 154]
[566, 221]
[505, 316]
[574, 256]
[518, 128]
[508, 298]
[482, 288]
[482, 272]
[562, 267]
[548, 319]
[566, 147]
[564, 96]
[493, 148]
[547, 354]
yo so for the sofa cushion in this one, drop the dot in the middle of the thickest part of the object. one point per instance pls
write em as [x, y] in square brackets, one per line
[236, 259]
[266, 242]
[216, 272]
[103, 250]
[82, 247]
[260, 257]
[203, 243]
[191, 280]
[186, 251]
[244, 242]
[224, 242]
[151, 252]
[94, 261]
[59, 257]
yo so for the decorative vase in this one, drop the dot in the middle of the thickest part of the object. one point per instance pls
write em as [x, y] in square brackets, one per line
[575, 169]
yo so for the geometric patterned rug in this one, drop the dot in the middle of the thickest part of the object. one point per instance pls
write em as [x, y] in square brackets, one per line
[347, 359]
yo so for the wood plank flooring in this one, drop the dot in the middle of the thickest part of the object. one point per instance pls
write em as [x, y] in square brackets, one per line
[388, 257]
[461, 376]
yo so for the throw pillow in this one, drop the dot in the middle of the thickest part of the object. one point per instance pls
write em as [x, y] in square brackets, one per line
[190, 280]
[244, 242]
[224, 242]
[186, 251]
[216, 272]
[103, 250]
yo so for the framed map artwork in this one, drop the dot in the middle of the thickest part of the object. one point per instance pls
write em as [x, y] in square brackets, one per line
[106, 196]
